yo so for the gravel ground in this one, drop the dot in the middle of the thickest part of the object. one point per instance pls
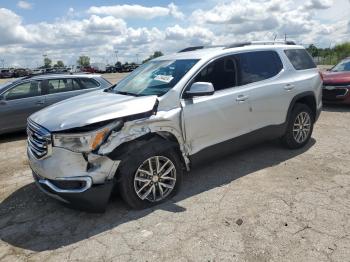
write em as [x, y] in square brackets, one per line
[265, 203]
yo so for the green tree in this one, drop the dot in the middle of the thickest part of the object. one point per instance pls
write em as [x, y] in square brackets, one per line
[312, 49]
[155, 54]
[342, 50]
[47, 62]
[59, 64]
[83, 61]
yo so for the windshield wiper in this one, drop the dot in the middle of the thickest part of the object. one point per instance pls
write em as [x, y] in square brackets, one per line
[125, 93]
[110, 89]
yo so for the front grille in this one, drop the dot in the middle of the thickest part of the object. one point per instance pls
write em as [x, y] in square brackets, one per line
[334, 94]
[39, 140]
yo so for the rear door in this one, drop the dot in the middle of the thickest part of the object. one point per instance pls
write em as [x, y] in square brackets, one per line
[60, 89]
[63, 88]
[270, 87]
[19, 103]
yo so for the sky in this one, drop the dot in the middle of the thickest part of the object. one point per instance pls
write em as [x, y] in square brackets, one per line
[133, 30]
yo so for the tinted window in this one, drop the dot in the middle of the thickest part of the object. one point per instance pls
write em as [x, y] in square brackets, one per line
[300, 59]
[62, 85]
[257, 66]
[221, 73]
[25, 90]
[88, 83]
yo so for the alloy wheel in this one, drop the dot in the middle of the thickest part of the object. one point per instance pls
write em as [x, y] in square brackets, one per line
[301, 127]
[155, 179]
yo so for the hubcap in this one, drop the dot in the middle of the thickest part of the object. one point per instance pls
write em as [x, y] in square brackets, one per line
[302, 127]
[155, 179]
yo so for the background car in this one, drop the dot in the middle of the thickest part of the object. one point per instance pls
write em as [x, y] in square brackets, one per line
[6, 73]
[336, 83]
[24, 96]
[20, 72]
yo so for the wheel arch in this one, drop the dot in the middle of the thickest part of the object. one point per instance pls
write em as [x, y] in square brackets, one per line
[165, 139]
[308, 98]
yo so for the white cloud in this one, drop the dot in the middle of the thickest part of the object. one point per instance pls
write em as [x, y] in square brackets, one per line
[319, 4]
[137, 11]
[24, 5]
[102, 30]
[11, 28]
[193, 35]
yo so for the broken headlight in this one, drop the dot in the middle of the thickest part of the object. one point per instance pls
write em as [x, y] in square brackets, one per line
[87, 141]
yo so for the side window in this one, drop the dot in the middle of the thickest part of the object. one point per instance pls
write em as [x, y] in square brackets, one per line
[87, 83]
[300, 59]
[221, 73]
[62, 85]
[257, 66]
[25, 90]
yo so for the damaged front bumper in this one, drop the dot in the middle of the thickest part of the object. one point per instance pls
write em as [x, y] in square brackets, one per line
[81, 181]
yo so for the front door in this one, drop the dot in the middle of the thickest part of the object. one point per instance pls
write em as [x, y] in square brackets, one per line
[19, 103]
[219, 117]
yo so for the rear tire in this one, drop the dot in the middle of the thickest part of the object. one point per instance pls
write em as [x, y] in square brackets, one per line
[299, 128]
[159, 179]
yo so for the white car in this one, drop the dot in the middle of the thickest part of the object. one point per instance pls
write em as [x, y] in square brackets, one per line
[139, 136]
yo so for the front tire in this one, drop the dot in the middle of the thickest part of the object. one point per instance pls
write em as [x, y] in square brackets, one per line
[299, 128]
[149, 177]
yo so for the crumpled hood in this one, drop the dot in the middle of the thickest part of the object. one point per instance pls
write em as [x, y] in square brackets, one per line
[91, 108]
[336, 77]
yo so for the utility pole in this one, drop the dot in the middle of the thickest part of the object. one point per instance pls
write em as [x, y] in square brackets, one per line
[285, 37]
[137, 58]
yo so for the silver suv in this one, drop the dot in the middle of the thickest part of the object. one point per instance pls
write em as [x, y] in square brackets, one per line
[139, 136]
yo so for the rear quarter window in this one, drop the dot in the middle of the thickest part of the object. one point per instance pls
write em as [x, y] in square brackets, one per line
[300, 59]
[88, 83]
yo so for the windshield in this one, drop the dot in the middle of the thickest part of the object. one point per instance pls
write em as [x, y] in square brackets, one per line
[342, 66]
[154, 77]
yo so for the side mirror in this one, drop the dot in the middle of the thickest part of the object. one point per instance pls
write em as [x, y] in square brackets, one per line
[200, 89]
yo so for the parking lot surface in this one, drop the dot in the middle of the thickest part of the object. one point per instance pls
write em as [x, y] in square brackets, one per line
[265, 203]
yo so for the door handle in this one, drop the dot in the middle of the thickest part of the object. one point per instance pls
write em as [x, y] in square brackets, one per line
[241, 98]
[289, 87]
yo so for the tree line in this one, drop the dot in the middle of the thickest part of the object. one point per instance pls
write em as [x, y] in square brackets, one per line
[84, 61]
[329, 56]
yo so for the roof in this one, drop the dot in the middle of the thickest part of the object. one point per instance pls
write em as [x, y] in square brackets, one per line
[210, 52]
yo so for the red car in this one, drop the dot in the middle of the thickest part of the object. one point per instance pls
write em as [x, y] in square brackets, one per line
[88, 69]
[336, 83]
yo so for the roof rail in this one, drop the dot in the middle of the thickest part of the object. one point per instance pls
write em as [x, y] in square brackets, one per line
[240, 44]
[273, 42]
[45, 73]
[193, 48]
